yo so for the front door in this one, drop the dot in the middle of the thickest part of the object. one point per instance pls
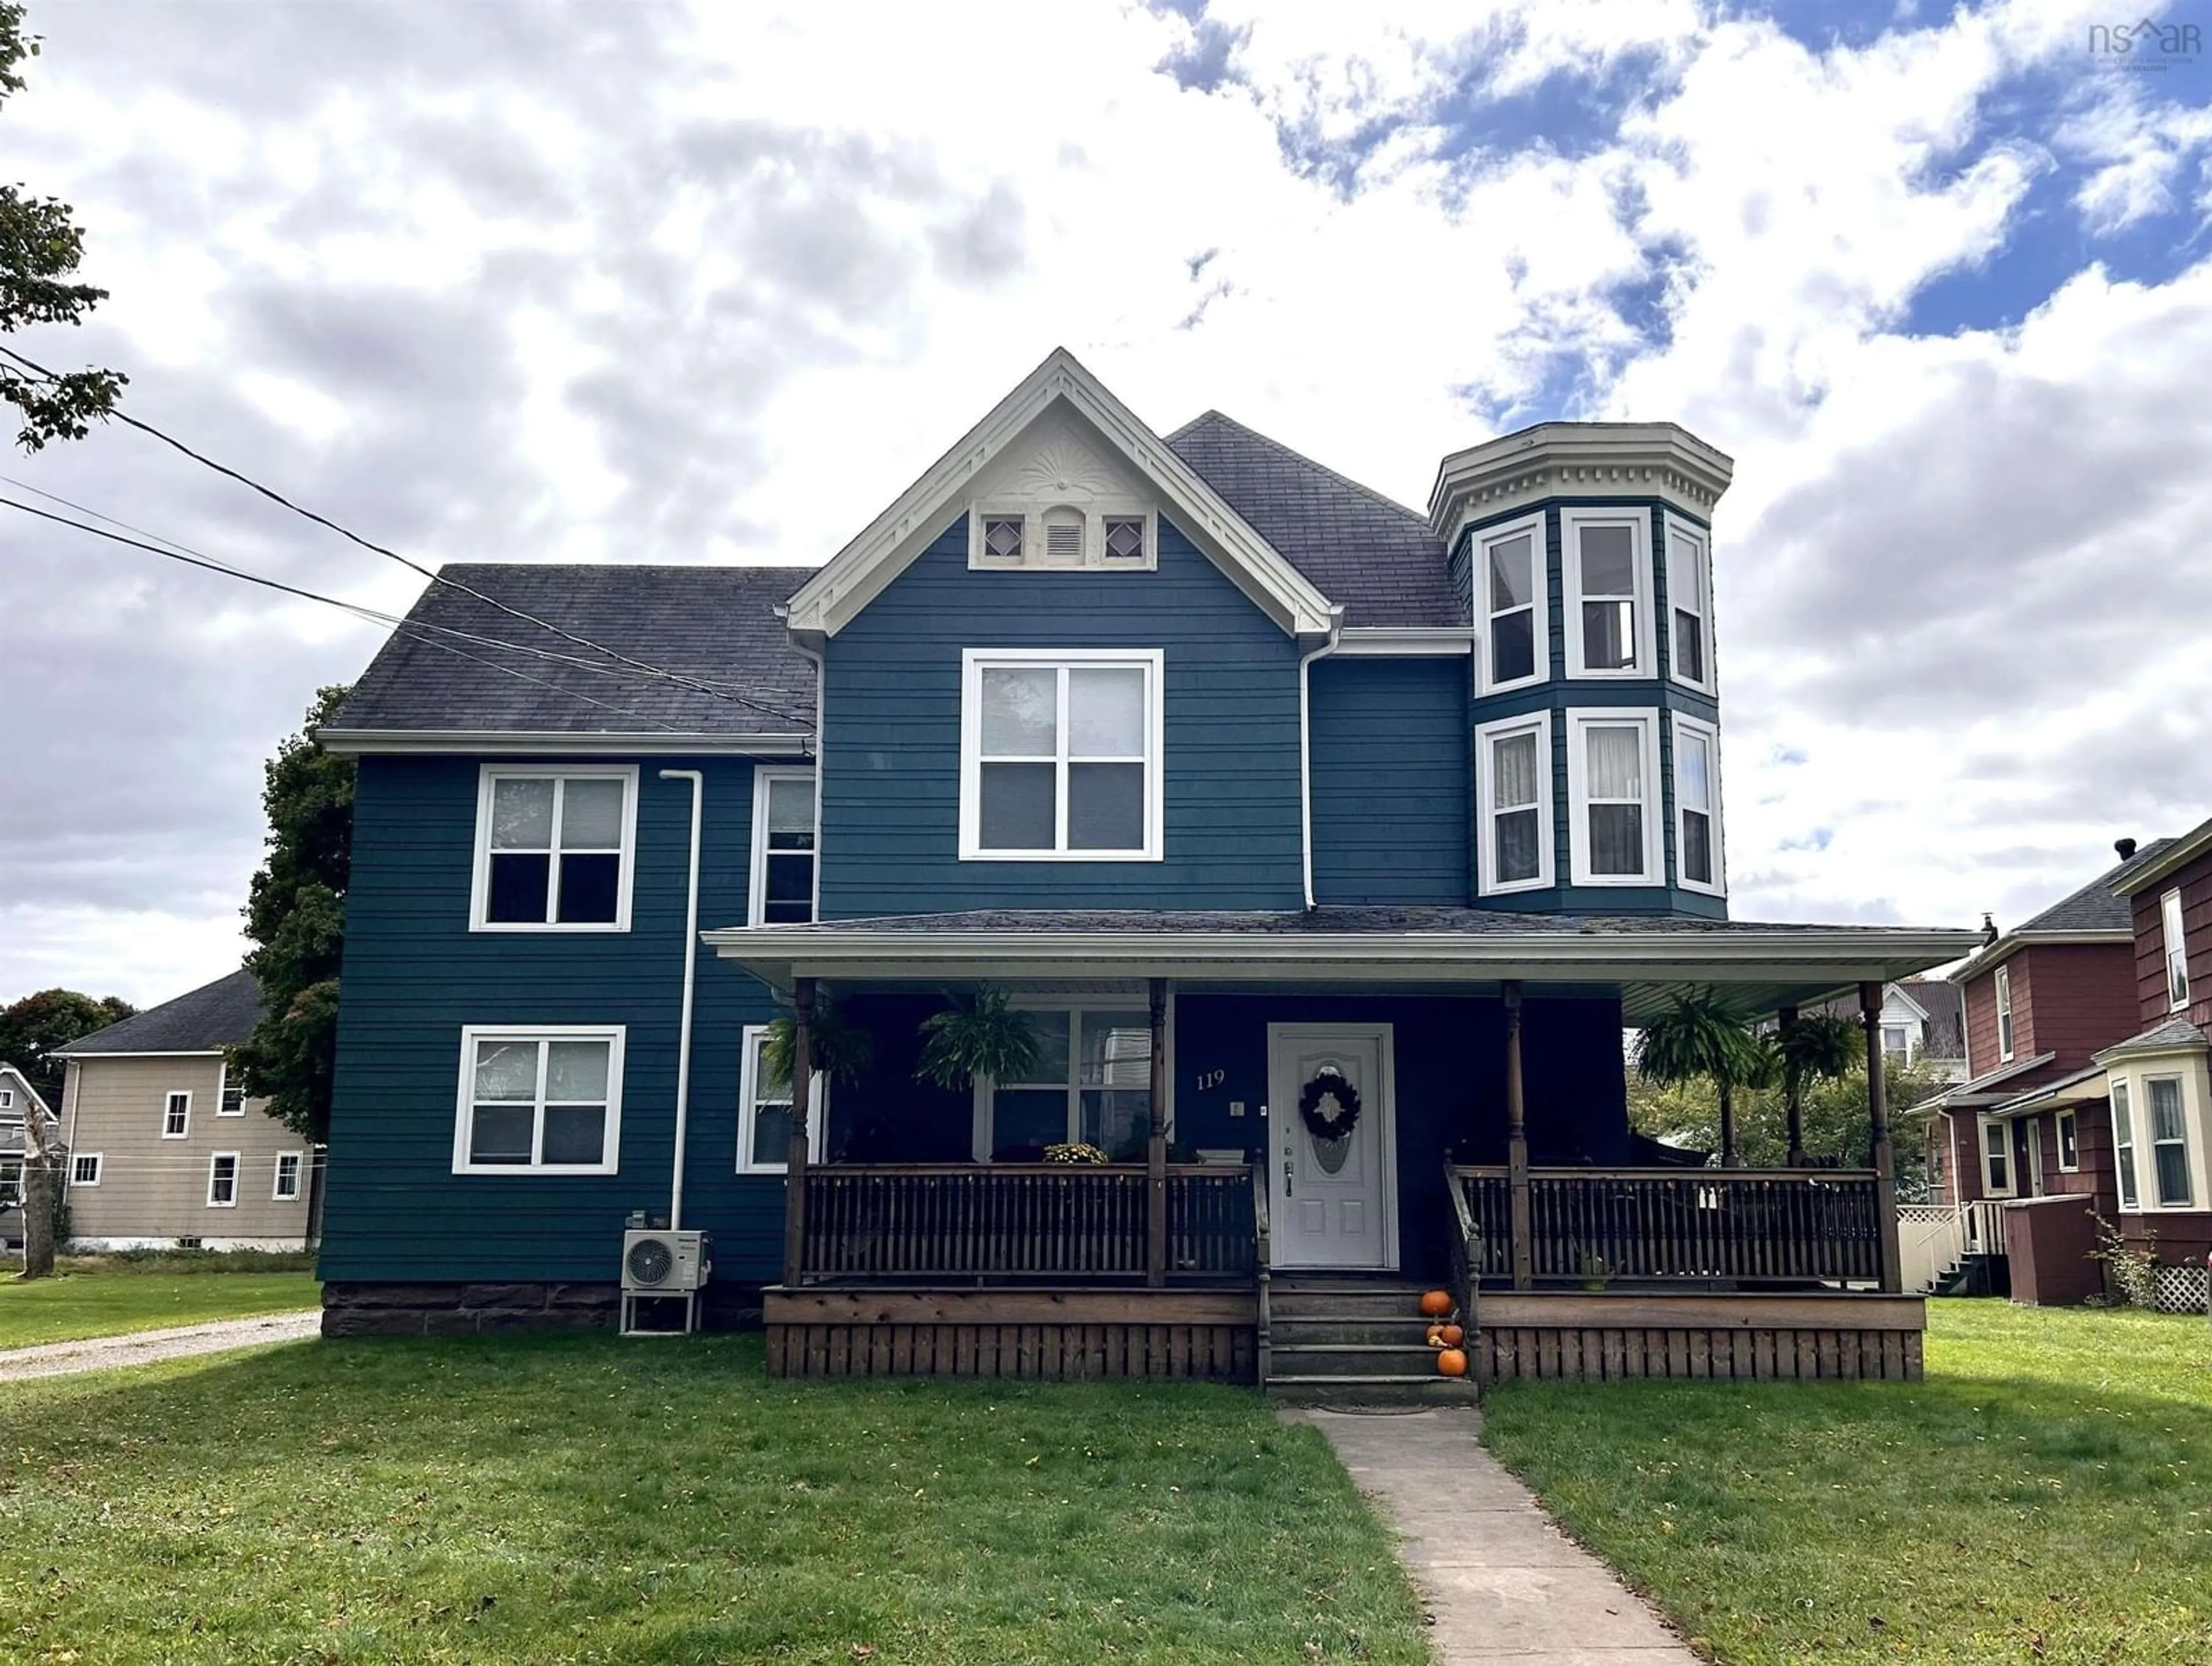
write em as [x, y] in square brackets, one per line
[1332, 1198]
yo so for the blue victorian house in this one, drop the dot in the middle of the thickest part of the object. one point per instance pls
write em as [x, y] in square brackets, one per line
[1316, 850]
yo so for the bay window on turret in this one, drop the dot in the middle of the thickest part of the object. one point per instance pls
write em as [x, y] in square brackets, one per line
[1607, 573]
[1689, 607]
[1509, 574]
[1612, 775]
[1697, 806]
[1514, 762]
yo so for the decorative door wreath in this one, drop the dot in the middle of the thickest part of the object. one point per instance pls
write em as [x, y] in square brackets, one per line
[1329, 1106]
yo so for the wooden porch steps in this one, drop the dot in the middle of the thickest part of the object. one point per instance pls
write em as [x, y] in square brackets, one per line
[1343, 1340]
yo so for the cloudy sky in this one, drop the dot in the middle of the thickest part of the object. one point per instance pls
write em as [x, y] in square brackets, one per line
[645, 282]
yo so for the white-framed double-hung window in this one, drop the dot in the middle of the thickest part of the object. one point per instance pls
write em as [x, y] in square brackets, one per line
[2003, 988]
[1608, 591]
[1060, 755]
[2177, 950]
[555, 847]
[284, 1186]
[542, 1097]
[783, 863]
[764, 1103]
[1697, 865]
[1509, 575]
[2169, 1142]
[1514, 757]
[1612, 782]
[1091, 1083]
[2124, 1143]
[177, 1114]
[222, 1180]
[1689, 607]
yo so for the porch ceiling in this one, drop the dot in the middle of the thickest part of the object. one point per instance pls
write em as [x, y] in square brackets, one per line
[1755, 967]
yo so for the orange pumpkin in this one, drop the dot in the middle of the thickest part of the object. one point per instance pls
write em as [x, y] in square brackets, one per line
[1451, 1334]
[1435, 1304]
[1452, 1362]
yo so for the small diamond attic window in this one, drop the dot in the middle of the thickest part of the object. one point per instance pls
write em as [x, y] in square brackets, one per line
[1002, 538]
[1125, 537]
[1063, 536]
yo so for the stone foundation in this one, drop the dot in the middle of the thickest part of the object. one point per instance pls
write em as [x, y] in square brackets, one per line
[471, 1309]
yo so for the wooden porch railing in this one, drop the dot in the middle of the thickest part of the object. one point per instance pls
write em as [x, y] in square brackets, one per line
[1021, 1221]
[1733, 1226]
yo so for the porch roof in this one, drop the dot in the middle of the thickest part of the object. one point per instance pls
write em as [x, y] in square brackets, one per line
[1757, 967]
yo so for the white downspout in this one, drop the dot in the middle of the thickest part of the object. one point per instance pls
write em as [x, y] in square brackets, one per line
[1305, 745]
[690, 978]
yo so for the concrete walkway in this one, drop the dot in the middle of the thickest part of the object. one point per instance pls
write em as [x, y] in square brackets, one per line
[145, 1346]
[1502, 1583]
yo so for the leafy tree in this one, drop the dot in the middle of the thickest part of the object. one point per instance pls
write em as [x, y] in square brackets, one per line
[40, 245]
[1820, 1047]
[295, 915]
[1700, 1039]
[30, 1029]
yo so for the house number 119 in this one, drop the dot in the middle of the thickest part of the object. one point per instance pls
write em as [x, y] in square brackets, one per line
[1207, 1079]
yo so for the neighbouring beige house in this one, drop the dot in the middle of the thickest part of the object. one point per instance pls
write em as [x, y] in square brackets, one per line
[164, 1150]
[17, 1095]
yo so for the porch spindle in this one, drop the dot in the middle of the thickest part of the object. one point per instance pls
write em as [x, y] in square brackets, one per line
[1793, 1096]
[794, 1184]
[1156, 1146]
[1516, 1144]
[1885, 1158]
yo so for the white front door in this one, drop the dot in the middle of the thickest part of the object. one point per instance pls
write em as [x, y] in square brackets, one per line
[1332, 1202]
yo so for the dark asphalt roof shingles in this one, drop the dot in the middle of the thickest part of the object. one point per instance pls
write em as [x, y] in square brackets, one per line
[203, 1020]
[2095, 908]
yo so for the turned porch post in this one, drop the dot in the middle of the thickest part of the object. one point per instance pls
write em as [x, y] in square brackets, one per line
[1792, 1102]
[1885, 1158]
[1156, 1146]
[794, 1183]
[1516, 1144]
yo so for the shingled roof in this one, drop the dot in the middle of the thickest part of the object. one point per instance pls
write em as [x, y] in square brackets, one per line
[1377, 558]
[2095, 908]
[204, 1020]
[715, 625]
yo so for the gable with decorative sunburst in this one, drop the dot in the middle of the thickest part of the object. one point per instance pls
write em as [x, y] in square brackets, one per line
[1054, 501]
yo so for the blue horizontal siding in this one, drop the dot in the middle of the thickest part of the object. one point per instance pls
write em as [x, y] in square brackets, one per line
[890, 786]
[415, 973]
[1391, 794]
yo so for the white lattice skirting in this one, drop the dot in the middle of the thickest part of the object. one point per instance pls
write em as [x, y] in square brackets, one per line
[2177, 1289]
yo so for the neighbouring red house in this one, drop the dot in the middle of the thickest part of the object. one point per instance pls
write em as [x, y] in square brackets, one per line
[2161, 1100]
[2031, 1128]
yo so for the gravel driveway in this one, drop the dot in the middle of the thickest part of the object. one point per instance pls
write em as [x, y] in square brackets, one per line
[145, 1346]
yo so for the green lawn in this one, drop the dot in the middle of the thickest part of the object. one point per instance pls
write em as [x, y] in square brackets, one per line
[2045, 1496]
[76, 1305]
[589, 1498]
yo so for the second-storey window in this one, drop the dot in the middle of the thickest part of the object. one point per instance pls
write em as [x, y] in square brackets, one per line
[1508, 562]
[2177, 950]
[554, 848]
[1696, 804]
[176, 1116]
[222, 1180]
[1608, 612]
[1060, 755]
[549, 1099]
[1690, 640]
[2123, 1145]
[2169, 1142]
[2004, 1013]
[1515, 787]
[233, 1101]
[1612, 767]
[783, 847]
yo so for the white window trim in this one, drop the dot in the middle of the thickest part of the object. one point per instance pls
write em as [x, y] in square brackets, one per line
[1984, 1127]
[2006, 1033]
[756, 884]
[1540, 582]
[818, 1105]
[222, 1095]
[2148, 1142]
[975, 660]
[2175, 939]
[1711, 736]
[2058, 1126]
[276, 1192]
[237, 1165]
[7, 1098]
[983, 1138]
[169, 1094]
[1485, 735]
[99, 1161]
[1646, 668]
[2127, 1173]
[1701, 545]
[480, 886]
[1646, 719]
[610, 1147]
[1096, 512]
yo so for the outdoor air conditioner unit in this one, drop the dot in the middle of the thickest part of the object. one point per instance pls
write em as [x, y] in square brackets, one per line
[664, 1263]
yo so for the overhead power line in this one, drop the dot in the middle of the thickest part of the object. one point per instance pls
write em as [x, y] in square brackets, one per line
[645, 667]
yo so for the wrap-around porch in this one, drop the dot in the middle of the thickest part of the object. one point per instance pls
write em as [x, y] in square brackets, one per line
[1491, 1158]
